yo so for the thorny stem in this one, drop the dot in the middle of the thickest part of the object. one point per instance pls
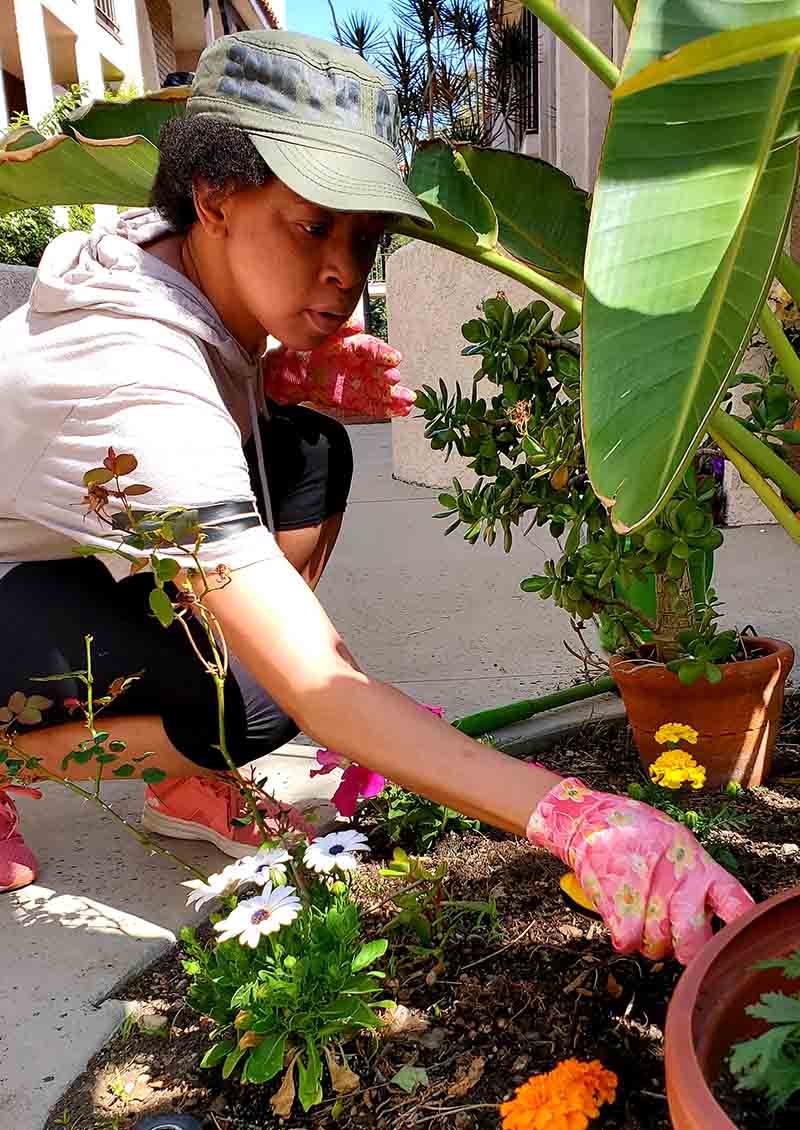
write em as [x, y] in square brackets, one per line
[139, 833]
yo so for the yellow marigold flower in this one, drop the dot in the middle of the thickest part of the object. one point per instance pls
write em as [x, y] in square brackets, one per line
[676, 732]
[565, 1098]
[676, 767]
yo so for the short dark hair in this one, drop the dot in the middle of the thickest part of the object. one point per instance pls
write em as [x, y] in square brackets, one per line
[206, 147]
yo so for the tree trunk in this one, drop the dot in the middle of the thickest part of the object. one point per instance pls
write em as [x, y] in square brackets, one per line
[674, 614]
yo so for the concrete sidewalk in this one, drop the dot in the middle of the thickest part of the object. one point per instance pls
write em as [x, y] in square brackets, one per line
[444, 621]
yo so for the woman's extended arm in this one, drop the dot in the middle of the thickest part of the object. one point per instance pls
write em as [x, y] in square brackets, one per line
[279, 630]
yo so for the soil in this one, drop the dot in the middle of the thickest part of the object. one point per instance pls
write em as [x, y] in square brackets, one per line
[500, 1005]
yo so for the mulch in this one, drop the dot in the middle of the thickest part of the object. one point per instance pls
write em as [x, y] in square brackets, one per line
[501, 1004]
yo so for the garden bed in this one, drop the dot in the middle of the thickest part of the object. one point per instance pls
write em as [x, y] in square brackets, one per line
[535, 984]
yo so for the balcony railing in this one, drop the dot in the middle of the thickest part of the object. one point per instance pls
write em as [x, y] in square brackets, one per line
[107, 15]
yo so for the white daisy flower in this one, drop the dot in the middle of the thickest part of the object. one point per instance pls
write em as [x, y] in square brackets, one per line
[217, 885]
[336, 851]
[266, 866]
[256, 917]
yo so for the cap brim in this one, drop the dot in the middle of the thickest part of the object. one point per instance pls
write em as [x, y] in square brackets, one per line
[343, 182]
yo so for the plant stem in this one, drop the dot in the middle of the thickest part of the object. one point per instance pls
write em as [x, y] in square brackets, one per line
[577, 42]
[788, 271]
[781, 346]
[139, 833]
[627, 10]
[773, 502]
[762, 457]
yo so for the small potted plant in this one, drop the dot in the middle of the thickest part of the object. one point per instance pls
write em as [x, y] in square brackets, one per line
[525, 444]
[737, 1004]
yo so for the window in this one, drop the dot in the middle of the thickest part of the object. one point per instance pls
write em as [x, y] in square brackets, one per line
[107, 15]
[530, 106]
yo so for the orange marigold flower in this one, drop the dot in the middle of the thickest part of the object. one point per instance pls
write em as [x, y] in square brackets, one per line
[565, 1098]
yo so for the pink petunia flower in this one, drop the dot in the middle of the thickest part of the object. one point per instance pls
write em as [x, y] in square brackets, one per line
[356, 780]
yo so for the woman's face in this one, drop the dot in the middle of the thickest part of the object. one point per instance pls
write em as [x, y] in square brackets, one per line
[294, 270]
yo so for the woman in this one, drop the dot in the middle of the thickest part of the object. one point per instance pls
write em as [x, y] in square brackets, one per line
[274, 189]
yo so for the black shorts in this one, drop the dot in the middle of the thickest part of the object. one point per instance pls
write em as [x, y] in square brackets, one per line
[48, 607]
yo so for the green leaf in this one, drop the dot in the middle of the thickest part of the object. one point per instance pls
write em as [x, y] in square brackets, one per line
[542, 215]
[217, 1052]
[369, 953]
[462, 213]
[776, 1008]
[680, 253]
[166, 569]
[117, 746]
[753, 1060]
[231, 1059]
[266, 1060]
[717, 52]
[713, 673]
[39, 702]
[123, 770]
[409, 1078]
[161, 606]
[790, 965]
[153, 776]
[72, 168]
[310, 1077]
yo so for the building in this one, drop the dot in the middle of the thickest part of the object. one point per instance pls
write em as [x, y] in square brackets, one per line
[48, 45]
[566, 106]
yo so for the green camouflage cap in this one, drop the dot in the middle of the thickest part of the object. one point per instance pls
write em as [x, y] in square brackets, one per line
[325, 122]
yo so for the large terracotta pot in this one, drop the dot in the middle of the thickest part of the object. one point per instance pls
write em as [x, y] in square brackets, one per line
[707, 1015]
[737, 719]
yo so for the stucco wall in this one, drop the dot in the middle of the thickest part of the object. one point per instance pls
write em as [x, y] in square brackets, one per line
[15, 287]
[430, 293]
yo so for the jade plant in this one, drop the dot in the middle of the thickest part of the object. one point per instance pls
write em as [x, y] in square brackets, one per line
[523, 440]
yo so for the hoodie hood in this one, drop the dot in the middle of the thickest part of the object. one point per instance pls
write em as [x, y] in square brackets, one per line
[109, 271]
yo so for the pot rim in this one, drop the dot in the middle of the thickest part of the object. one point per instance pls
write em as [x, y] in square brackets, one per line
[631, 665]
[682, 1005]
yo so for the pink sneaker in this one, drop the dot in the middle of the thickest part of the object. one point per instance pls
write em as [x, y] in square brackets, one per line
[204, 808]
[18, 865]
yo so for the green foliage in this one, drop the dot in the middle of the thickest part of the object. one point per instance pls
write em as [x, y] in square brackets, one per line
[704, 823]
[378, 325]
[24, 236]
[704, 646]
[302, 990]
[414, 821]
[428, 919]
[525, 444]
[770, 1063]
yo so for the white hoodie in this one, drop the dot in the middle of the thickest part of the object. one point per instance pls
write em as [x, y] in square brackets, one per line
[117, 349]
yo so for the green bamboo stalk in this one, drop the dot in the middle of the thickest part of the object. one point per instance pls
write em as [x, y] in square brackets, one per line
[627, 10]
[773, 502]
[487, 720]
[578, 43]
[788, 271]
[756, 452]
[781, 346]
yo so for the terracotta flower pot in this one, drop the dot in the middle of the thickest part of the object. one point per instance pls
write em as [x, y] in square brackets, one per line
[737, 719]
[707, 1015]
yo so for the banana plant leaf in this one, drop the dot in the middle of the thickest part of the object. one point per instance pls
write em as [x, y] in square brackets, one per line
[480, 197]
[716, 53]
[462, 213]
[688, 218]
[543, 216]
[106, 154]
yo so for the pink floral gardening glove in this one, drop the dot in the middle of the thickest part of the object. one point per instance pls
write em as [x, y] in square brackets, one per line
[655, 887]
[351, 371]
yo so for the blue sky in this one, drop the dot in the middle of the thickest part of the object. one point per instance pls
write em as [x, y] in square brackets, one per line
[314, 17]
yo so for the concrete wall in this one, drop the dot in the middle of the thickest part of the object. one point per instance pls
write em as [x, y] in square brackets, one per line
[430, 294]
